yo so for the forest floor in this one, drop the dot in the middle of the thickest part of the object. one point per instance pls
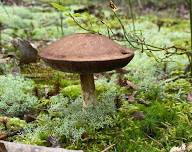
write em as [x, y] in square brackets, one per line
[146, 109]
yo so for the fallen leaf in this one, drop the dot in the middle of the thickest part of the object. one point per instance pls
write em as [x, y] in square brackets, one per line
[142, 101]
[85, 137]
[138, 115]
[28, 52]
[131, 99]
[189, 147]
[29, 117]
[53, 141]
[3, 136]
[189, 97]
[182, 148]
[132, 85]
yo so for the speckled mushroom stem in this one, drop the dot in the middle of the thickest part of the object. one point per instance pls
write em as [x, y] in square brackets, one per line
[88, 90]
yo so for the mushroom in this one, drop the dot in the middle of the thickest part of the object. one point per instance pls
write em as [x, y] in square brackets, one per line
[86, 54]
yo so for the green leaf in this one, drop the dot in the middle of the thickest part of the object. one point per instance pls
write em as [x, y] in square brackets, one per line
[59, 7]
[77, 15]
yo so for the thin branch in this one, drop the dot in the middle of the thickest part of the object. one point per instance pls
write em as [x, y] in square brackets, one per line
[108, 29]
[155, 141]
[138, 42]
[89, 30]
[124, 31]
[111, 146]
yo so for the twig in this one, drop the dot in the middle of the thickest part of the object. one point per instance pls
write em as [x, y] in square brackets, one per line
[139, 43]
[108, 29]
[175, 78]
[106, 149]
[155, 141]
[124, 31]
[81, 25]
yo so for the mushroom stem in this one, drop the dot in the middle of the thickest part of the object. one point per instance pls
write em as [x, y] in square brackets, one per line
[88, 90]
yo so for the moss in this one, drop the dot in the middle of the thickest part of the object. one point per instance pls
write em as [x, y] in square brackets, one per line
[16, 124]
[72, 91]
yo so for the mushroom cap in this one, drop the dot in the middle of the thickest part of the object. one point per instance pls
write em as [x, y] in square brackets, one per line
[86, 53]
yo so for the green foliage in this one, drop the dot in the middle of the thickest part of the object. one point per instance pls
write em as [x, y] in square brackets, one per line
[16, 95]
[59, 7]
[68, 121]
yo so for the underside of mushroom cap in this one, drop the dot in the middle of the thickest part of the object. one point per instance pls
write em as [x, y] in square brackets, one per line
[86, 53]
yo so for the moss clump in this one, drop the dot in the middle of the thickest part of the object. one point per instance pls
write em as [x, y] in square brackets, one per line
[72, 91]
[16, 95]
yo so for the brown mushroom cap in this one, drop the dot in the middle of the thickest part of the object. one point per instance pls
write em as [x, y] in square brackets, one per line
[86, 53]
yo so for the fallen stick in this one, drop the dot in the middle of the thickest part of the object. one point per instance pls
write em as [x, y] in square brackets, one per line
[15, 147]
[111, 146]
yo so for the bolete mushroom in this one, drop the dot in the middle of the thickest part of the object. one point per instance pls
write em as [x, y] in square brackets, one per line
[86, 54]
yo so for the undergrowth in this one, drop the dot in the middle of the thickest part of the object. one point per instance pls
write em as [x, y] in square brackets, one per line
[66, 120]
[16, 96]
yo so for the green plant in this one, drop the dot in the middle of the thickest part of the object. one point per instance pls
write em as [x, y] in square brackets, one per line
[16, 95]
[68, 121]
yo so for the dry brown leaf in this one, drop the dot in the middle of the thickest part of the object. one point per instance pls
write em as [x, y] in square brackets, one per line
[3, 119]
[189, 147]
[189, 97]
[52, 141]
[113, 6]
[3, 136]
[142, 101]
[132, 85]
[131, 99]
[138, 115]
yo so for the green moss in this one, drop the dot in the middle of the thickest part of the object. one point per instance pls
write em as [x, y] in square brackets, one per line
[72, 91]
[16, 124]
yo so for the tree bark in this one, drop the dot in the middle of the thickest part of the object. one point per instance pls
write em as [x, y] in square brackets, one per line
[88, 90]
[14, 147]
